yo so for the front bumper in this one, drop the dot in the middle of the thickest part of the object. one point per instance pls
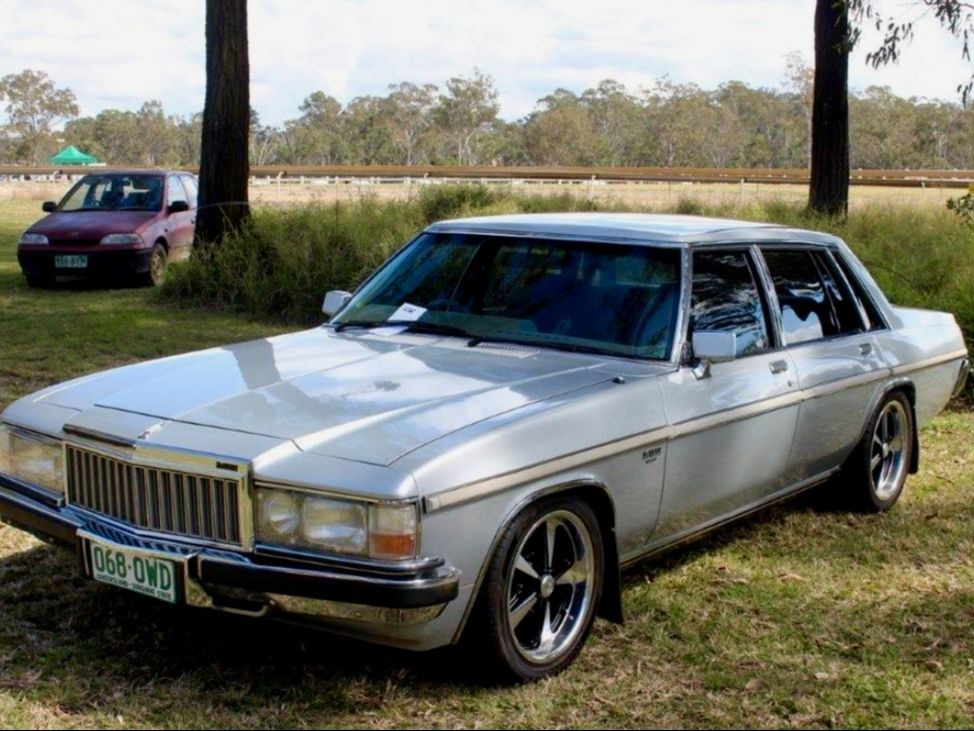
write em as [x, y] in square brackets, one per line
[267, 581]
[102, 262]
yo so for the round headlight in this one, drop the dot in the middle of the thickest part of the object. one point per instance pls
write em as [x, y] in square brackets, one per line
[280, 513]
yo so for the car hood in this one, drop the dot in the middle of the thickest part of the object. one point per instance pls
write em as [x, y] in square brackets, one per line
[91, 224]
[369, 398]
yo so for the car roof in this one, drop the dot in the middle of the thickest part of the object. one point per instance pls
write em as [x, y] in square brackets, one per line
[136, 171]
[646, 228]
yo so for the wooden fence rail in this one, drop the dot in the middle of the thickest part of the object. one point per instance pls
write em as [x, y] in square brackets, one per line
[396, 173]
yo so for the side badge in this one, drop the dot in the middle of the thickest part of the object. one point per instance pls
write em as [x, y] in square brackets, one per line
[651, 455]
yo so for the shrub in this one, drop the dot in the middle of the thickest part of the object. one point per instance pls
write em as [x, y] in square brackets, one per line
[454, 201]
[281, 265]
[963, 207]
[689, 207]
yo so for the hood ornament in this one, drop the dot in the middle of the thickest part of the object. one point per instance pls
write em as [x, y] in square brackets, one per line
[149, 432]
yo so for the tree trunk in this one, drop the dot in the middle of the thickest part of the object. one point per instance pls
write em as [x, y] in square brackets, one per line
[225, 156]
[829, 192]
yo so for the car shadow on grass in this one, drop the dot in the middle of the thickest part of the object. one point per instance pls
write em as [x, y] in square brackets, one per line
[91, 284]
[51, 613]
[84, 637]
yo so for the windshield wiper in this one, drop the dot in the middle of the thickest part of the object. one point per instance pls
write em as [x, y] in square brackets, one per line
[429, 328]
[569, 347]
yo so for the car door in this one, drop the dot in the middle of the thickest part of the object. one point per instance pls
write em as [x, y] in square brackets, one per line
[837, 359]
[191, 186]
[732, 428]
[179, 225]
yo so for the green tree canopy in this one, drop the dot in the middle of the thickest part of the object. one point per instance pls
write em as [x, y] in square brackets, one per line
[33, 106]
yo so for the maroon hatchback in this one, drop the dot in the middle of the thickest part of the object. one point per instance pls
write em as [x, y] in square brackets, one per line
[118, 224]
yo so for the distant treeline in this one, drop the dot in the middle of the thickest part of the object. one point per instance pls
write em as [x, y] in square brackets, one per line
[667, 125]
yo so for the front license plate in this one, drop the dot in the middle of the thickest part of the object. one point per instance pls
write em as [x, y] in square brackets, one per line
[135, 571]
[70, 261]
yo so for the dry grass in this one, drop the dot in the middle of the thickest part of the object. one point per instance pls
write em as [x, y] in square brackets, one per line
[630, 195]
[796, 618]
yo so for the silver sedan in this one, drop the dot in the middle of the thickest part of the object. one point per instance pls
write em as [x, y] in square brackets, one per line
[503, 416]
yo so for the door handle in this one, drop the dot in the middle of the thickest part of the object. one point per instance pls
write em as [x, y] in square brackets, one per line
[779, 366]
[865, 348]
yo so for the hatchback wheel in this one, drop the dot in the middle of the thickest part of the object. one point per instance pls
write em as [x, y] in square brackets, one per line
[158, 263]
[542, 589]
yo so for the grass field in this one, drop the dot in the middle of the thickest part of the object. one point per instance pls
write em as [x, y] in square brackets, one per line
[796, 618]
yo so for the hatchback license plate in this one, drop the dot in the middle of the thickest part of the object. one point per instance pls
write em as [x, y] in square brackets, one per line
[134, 570]
[70, 261]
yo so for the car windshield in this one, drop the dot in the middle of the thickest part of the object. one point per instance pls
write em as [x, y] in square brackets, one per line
[114, 192]
[613, 299]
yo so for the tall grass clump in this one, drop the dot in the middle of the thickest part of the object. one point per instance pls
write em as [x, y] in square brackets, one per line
[282, 263]
[280, 266]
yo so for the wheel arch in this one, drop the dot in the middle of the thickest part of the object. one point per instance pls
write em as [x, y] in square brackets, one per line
[597, 496]
[162, 240]
[910, 390]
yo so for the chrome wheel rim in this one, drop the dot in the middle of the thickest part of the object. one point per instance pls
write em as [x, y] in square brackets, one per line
[887, 455]
[549, 588]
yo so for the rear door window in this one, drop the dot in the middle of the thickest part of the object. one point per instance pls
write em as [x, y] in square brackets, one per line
[813, 301]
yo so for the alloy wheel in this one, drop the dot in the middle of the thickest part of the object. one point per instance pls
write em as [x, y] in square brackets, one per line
[887, 456]
[550, 587]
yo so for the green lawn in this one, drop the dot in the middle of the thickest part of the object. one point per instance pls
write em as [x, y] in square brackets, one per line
[795, 618]
[49, 335]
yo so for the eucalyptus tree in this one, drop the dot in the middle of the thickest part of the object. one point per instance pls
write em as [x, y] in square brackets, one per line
[34, 105]
[409, 118]
[466, 112]
[838, 27]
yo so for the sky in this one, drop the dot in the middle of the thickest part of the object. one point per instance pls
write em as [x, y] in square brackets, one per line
[119, 54]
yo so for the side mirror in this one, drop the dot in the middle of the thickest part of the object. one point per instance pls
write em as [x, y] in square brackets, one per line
[335, 301]
[712, 346]
[715, 346]
[178, 207]
[49, 206]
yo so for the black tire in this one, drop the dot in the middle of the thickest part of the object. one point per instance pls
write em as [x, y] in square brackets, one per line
[873, 477]
[575, 605]
[158, 263]
[40, 281]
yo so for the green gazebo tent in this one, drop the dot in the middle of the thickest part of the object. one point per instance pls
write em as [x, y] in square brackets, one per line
[71, 155]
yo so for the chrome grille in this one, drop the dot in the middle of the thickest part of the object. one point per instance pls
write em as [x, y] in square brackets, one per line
[157, 499]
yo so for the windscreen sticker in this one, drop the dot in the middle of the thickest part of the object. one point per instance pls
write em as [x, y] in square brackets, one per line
[407, 313]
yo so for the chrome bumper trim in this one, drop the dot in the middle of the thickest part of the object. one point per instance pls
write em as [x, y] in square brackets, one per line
[962, 376]
[241, 583]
